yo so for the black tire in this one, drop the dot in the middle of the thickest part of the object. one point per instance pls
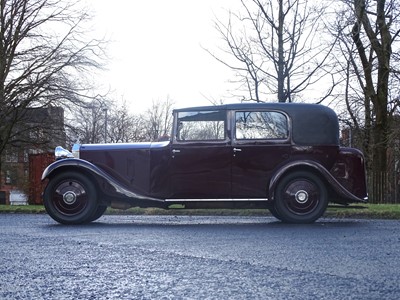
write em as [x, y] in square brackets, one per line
[273, 212]
[71, 198]
[301, 197]
[98, 213]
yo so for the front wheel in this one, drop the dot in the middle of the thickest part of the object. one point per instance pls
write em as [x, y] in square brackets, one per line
[301, 197]
[70, 198]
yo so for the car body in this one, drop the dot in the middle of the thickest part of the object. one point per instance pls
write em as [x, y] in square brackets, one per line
[284, 157]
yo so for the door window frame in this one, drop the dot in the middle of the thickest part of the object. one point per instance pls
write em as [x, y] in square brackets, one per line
[180, 142]
[236, 141]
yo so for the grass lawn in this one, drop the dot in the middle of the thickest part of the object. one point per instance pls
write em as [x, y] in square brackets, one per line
[31, 209]
[371, 211]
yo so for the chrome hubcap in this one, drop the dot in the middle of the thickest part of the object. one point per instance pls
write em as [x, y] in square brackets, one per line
[301, 196]
[69, 198]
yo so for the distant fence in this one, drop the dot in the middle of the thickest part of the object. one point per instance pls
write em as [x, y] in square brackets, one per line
[384, 188]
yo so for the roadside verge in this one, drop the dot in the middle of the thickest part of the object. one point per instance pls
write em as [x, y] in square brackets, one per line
[368, 211]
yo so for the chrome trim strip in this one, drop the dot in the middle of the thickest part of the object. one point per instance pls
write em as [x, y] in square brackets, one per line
[216, 200]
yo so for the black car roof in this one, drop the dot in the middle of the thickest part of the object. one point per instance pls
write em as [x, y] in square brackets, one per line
[255, 105]
[312, 124]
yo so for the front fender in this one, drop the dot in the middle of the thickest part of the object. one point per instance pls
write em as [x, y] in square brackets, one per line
[317, 168]
[76, 163]
[68, 162]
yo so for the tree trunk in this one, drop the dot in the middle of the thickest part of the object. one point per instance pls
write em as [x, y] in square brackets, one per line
[281, 58]
[376, 91]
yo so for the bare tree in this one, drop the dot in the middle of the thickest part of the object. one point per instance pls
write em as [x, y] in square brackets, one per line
[159, 119]
[87, 123]
[125, 127]
[368, 31]
[44, 56]
[277, 49]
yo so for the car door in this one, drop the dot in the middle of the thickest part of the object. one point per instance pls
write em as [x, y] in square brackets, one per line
[260, 144]
[201, 156]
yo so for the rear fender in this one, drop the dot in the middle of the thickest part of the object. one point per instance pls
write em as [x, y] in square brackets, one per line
[318, 169]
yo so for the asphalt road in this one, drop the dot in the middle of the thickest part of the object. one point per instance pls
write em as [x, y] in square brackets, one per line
[184, 257]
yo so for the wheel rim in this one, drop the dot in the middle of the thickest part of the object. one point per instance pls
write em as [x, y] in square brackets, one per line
[301, 196]
[70, 198]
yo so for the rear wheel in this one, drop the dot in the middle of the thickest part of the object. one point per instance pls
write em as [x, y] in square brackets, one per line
[71, 198]
[273, 212]
[98, 213]
[301, 197]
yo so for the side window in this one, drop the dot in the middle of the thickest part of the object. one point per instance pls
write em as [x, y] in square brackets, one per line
[201, 126]
[257, 125]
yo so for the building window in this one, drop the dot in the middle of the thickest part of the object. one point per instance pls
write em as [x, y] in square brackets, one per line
[8, 177]
[11, 156]
[26, 155]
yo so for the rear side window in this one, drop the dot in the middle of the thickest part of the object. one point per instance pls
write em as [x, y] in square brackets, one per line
[260, 125]
[201, 126]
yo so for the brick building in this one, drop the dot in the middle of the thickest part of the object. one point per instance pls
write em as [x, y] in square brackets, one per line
[24, 160]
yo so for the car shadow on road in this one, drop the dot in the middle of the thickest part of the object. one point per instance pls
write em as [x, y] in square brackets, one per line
[209, 221]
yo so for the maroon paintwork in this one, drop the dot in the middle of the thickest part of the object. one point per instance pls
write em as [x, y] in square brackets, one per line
[229, 171]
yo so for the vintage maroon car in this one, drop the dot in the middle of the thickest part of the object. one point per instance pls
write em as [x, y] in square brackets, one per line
[281, 157]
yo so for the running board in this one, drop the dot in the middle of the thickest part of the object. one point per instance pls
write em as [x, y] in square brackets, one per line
[218, 200]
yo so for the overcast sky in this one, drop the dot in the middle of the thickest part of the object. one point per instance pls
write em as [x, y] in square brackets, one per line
[157, 50]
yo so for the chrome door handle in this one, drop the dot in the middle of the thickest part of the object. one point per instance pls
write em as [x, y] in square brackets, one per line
[175, 151]
[237, 150]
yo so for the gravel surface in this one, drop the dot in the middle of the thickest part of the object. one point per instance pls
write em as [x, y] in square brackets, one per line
[197, 257]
